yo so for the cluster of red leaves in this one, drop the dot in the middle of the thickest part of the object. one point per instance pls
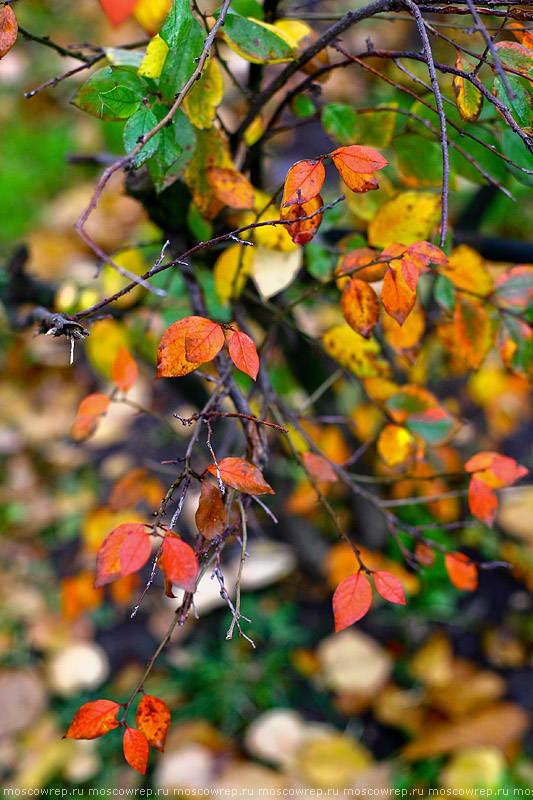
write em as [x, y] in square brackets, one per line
[98, 717]
[399, 267]
[490, 471]
[193, 341]
[353, 596]
[301, 193]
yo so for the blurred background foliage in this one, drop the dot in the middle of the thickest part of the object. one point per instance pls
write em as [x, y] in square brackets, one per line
[436, 694]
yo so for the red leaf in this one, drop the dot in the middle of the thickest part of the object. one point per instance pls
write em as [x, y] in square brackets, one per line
[124, 370]
[241, 475]
[389, 587]
[302, 231]
[409, 272]
[319, 467]
[356, 158]
[243, 353]
[117, 11]
[360, 307]
[461, 571]
[203, 339]
[303, 182]
[424, 254]
[136, 749]
[94, 404]
[397, 297]
[153, 720]
[211, 514]
[171, 358]
[179, 563]
[496, 470]
[351, 601]
[93, 720]
[123, 552]
[482, 501]
[8, 30]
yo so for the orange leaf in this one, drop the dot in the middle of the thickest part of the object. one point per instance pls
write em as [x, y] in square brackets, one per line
[93, 720]
[424, 254]
[211, 514]
[461, 571]
[424, 554]
[123, 552]
[136, 749]
[171, 358]
[117, 11]
[303, 182]
[243, 353]
[8, 30]
[497, 470]
[410, 272]
[355, 263]
[241, 475]
[203, 339]
[482, 501]
[396, 295]
[179, 563]
[359, 182]
[83, 426]
[231, 188]
[358, 159]
[360, 307]
[351, 601]
[153, 720]
[319, 467]
[94, 404]
[124, 370]
[389, 587]
[302, 231]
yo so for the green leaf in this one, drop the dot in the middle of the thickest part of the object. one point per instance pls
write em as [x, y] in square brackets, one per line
[340, 122]
[112, 93]
[521, 106]
[201, 228]
[253, 41]
[377, 127]
[138, 125]
[179, 66]
[318, 262]
[175, 150]
[434, 425]
[513, 148]
[515, 56]
[419, 160]
[444, 293]
[120, 57]
[302, 106]
[177, 24]
[247, 8]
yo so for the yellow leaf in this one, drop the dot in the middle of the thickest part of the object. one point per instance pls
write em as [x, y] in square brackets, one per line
[275, 237]
[273, 270]
[332, 760]
[254, 131]
[408, 218]
[361, 356]
[232, 268]
[205, 96]
[396, 446]
[466, 269]
[113, 281]
[474, 768]
[106, 339]
[150, 14]
[101, 521]
[211, 151]
[152, 63]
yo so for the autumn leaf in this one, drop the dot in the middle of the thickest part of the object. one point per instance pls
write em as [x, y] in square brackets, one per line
[243, 353]
[407, 217]
[231, 187]
[201, 102]
[468, 98]
[88, 415]
[354, 264]
[124, 551]
[153, 720]
[360, 307]
[124, 370]
[396, 446]
[300, 230]
[424, 253]
[134, 486]
[470, 334]
[461, 571]
[231, 270]
[241, 475]
[389, 587]
[397, 295]
[93, 719]
[319, 467]
[8, 29]
[171, 358]
[94, 404]
[117, 11]
[482, 501]
[179, 563]
[351, 600]
[356, 165]
[203, 340]
[211, 514]
[361, 356]
[136, 749]
[490, 471]
[303, 182]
